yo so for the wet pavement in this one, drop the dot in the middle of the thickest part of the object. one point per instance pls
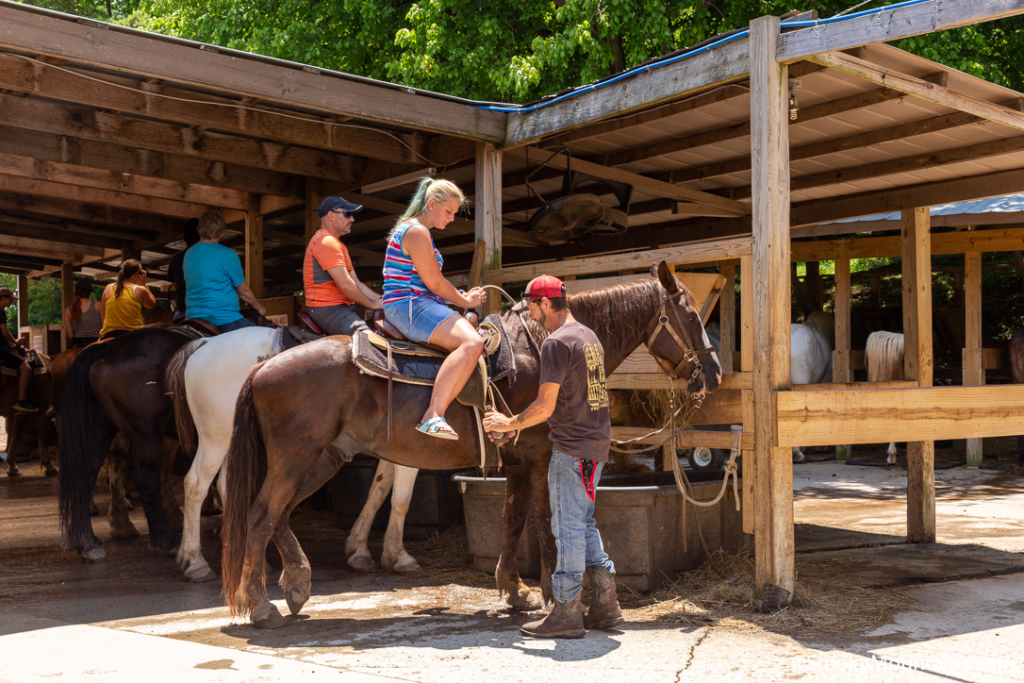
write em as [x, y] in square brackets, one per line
[134, 617]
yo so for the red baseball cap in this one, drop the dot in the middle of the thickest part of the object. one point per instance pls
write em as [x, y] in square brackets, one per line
[543, 287]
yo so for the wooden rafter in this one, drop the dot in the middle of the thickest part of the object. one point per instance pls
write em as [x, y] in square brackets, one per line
[88, 213]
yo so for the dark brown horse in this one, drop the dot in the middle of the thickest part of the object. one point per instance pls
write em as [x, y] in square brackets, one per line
[116, 386]
[39, 392]
[296, 404]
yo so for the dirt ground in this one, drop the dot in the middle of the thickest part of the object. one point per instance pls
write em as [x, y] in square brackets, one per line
[135, 618]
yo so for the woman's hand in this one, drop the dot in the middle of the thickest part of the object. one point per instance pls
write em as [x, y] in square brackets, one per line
[475, 297]
[377, 304]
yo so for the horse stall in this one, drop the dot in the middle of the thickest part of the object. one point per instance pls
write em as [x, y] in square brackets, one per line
[732, 155]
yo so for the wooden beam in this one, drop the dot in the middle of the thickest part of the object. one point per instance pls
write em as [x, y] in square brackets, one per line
[80, 211]
[90, 195]
[726, 63]
[681, 255]
[35, 169]
[239, 73]
[841, 371]
[727, 318]
[22, 303]
[487, 214]
[47, 117]
[973, 363]
[129, 159]
[254, 252]
[983, 241]
[918, 364]
[314, 195]
[657, 187]
[58, 250]
[809, 418]
[129, 95]
[67, 296]
[769, 150]
[893, 24]
[922, 89]
[57, 234]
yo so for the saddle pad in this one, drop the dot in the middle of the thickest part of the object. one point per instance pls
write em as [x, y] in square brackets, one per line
[501, 362]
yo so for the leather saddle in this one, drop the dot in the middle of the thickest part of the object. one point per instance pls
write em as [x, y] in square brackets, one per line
[389, 331]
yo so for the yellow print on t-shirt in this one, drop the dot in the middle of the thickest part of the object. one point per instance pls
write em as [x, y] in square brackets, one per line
[597, 392]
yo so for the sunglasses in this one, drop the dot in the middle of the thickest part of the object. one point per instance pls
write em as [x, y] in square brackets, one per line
[343, 212]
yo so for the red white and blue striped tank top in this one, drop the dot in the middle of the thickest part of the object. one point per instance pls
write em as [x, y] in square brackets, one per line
[401, 281]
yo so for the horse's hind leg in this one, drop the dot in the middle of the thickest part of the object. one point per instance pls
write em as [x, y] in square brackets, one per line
[42, 432]
[394, 558]
[148, 452]
[168, 498]
[295, 573]
[121, 527]
[208, 460]
[13, 437]
[518, 487]
[542, 526]
[356, 549]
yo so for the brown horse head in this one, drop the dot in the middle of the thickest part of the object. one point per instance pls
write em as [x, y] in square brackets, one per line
[676, 337]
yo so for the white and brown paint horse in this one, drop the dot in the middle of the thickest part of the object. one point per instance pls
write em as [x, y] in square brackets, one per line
[204, 379]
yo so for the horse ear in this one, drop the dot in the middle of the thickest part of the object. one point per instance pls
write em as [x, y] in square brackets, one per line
[665, 276]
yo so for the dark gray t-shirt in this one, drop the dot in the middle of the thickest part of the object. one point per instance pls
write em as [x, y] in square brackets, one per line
[573, 358]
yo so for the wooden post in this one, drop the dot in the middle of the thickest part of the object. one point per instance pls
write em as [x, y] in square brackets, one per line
[841, 356]
[22, 304]
[727, 318]
[67, 296]
[747, 365]
[487, 213]
[254, 251]
[769, 121]
[314, 195]
[918, 365]
[129, 250]
[974, 372]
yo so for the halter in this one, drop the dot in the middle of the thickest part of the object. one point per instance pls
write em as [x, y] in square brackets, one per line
[691, 354]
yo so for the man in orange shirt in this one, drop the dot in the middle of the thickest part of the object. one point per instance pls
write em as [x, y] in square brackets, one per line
[331, 287]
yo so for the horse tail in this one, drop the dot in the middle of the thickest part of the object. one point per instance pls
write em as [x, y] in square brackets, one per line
[174, 384]
[78, 450]
[245, 467]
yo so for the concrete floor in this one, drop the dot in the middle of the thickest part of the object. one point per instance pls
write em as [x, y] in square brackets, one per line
[134, 618]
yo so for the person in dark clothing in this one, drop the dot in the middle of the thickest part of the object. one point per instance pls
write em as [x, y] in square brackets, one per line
[176, 267]
[12, 353]
[573, 399]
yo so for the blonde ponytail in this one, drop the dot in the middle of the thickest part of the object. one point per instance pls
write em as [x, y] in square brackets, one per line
[430, 188]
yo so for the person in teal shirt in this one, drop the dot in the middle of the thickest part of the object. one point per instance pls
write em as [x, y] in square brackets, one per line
[214, 278]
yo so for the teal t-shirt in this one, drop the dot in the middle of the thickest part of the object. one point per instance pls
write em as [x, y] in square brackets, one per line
[212, 271]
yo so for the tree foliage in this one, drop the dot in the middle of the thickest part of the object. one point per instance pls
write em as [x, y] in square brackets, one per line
[507, 50]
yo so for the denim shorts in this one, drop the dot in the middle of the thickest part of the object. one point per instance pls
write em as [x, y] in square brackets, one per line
[417, 318]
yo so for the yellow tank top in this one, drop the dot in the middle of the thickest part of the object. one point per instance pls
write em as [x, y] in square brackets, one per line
[123, 312]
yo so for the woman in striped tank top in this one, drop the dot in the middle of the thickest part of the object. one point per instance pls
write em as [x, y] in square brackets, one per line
[415, 293]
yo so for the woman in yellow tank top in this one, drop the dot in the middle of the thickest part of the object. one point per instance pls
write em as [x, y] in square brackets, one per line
[124, 299]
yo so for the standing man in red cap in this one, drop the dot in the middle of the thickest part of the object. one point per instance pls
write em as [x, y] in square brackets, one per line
[573, 399]
[331, 288]
[12, 355]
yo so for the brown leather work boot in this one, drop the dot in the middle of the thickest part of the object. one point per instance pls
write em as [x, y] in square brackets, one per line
[604, 612]
[564, 621]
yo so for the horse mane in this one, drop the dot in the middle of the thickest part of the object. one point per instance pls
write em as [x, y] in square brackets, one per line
[884, 356]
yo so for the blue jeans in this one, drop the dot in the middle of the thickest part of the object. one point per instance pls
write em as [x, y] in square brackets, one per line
[237, 325]
[572, 522]
[417, 318]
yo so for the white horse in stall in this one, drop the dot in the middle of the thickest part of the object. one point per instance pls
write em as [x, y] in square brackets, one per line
[810, 361]
[204, 380]
[884, 360]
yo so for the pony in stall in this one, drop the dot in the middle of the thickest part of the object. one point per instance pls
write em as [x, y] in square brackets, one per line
[883, 357]
[810, 362]
[117, 386]
[204, 379]
[296, 404]
[1017, 375]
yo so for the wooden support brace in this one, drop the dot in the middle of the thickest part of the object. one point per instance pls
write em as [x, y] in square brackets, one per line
[727, 318]
[254, 252]
[67, 296]
[841, 371]
[973, 366]
[487, 213]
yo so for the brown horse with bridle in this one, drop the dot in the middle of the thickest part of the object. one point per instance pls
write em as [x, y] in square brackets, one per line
[296, 404]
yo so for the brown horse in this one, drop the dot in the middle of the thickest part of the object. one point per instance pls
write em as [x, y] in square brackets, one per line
[117, 386]
[39, 392]
[296, 404]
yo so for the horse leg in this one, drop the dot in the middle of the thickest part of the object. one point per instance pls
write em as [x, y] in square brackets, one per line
[798, 454]
[168, 498]
[13, 436]
[356, 549]
[518, 487]
[208, 460]
[295, 572]
[121, 527]
[542, 526]
[891, 460]
[394, 558]
[1020, 449]
[148, 454]
[42, 427]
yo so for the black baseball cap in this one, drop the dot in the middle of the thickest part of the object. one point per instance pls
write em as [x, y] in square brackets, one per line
[335, 203]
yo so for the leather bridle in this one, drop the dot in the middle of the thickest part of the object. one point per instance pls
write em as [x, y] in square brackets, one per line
[691, 354]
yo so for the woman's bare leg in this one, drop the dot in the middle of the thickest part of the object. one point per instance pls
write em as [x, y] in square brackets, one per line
[459, 337]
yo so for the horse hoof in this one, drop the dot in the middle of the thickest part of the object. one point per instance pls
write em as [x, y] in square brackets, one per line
[799, 457]
[526, 601]
[296, 598]
[124, 533]
[362, 563]
[93, 510]
[267, 616]
[200, 574]
[94, 555]
[407, 568]
[51, 471]
[13, 472]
